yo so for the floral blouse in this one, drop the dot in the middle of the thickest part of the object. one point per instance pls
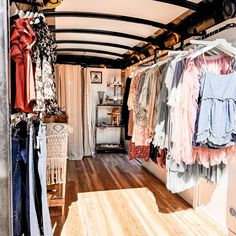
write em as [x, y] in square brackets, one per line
[44, 56]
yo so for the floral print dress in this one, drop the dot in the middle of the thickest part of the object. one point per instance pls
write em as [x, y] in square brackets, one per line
[44, 57]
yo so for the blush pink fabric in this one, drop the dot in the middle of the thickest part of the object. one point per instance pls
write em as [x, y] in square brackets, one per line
[184, 111]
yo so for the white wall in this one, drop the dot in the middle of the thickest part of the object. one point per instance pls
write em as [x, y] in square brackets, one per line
[109, 135]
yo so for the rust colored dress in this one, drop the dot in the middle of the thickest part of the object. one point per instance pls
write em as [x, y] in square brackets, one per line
[22, 39]
[138, 151]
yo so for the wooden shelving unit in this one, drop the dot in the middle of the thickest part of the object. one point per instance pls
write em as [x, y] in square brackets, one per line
[109, 147]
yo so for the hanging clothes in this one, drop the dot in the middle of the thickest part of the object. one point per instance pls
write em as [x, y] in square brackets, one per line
[22, 39]
[210, 130]
[30, 206]
[44, 57]
[33, 49]
[135, 151]
[125, 111]
[19, 179]
[181, 102]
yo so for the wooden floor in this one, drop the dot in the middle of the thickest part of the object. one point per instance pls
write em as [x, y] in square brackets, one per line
[110, 195]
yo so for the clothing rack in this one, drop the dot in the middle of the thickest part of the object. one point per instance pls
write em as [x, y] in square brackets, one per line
[182, 46]
[29, 2]
[228, 26]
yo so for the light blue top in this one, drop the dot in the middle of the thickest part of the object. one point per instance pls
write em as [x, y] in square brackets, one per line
[216, 126]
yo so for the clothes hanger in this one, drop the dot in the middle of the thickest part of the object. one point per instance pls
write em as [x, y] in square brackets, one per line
[221, 44]
[175, 53]
[21, 14]
[16, 118]
[27, 14]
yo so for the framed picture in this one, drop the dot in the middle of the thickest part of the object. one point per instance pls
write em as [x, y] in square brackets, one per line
[96, 77]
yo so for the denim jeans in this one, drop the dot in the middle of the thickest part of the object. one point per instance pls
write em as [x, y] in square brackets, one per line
[40, 223]
[42, 157]
[34, 224]
[19, 167]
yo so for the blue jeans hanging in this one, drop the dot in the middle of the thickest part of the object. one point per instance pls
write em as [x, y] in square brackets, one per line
[19, 159]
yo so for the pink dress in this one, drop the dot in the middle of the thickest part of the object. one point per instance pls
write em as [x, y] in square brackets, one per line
[138, 119]
[184, 114]
[184, 110]
[140, 129]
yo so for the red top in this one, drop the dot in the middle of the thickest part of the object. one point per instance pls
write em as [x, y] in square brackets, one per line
[22, 39]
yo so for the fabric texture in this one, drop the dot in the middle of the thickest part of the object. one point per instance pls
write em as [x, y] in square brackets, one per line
[162, 113]
[34, 223]
[125, 111]
[42, 155]
[44, 57]
[183, 115]
[57, 151]
[74, 97]
[136, 151]
[22, 39]
[207, 163]
[19, 189]
[216, 131]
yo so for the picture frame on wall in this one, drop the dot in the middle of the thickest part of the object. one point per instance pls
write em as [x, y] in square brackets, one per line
[96, 77]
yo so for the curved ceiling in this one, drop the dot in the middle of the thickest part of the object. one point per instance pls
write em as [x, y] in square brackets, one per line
[117, 29]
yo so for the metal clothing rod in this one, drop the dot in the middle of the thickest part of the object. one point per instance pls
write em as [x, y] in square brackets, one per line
[214, 32]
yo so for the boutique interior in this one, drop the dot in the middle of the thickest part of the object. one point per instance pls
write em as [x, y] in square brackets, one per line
[102, 129]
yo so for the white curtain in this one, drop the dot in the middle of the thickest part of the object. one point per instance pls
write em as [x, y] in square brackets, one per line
[74, 96]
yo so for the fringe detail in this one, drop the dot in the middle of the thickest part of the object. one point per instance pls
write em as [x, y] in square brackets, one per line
[56, 171]
[57, 147]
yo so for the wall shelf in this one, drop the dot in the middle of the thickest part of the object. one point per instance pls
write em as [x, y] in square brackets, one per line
[109, 147]
[109, 104]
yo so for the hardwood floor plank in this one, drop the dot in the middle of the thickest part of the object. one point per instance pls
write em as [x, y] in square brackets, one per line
[110, 195]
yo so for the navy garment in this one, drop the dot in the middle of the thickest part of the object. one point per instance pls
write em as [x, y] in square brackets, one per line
[125, 110]
[38, 187]
[19, 188]
[153, 152]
